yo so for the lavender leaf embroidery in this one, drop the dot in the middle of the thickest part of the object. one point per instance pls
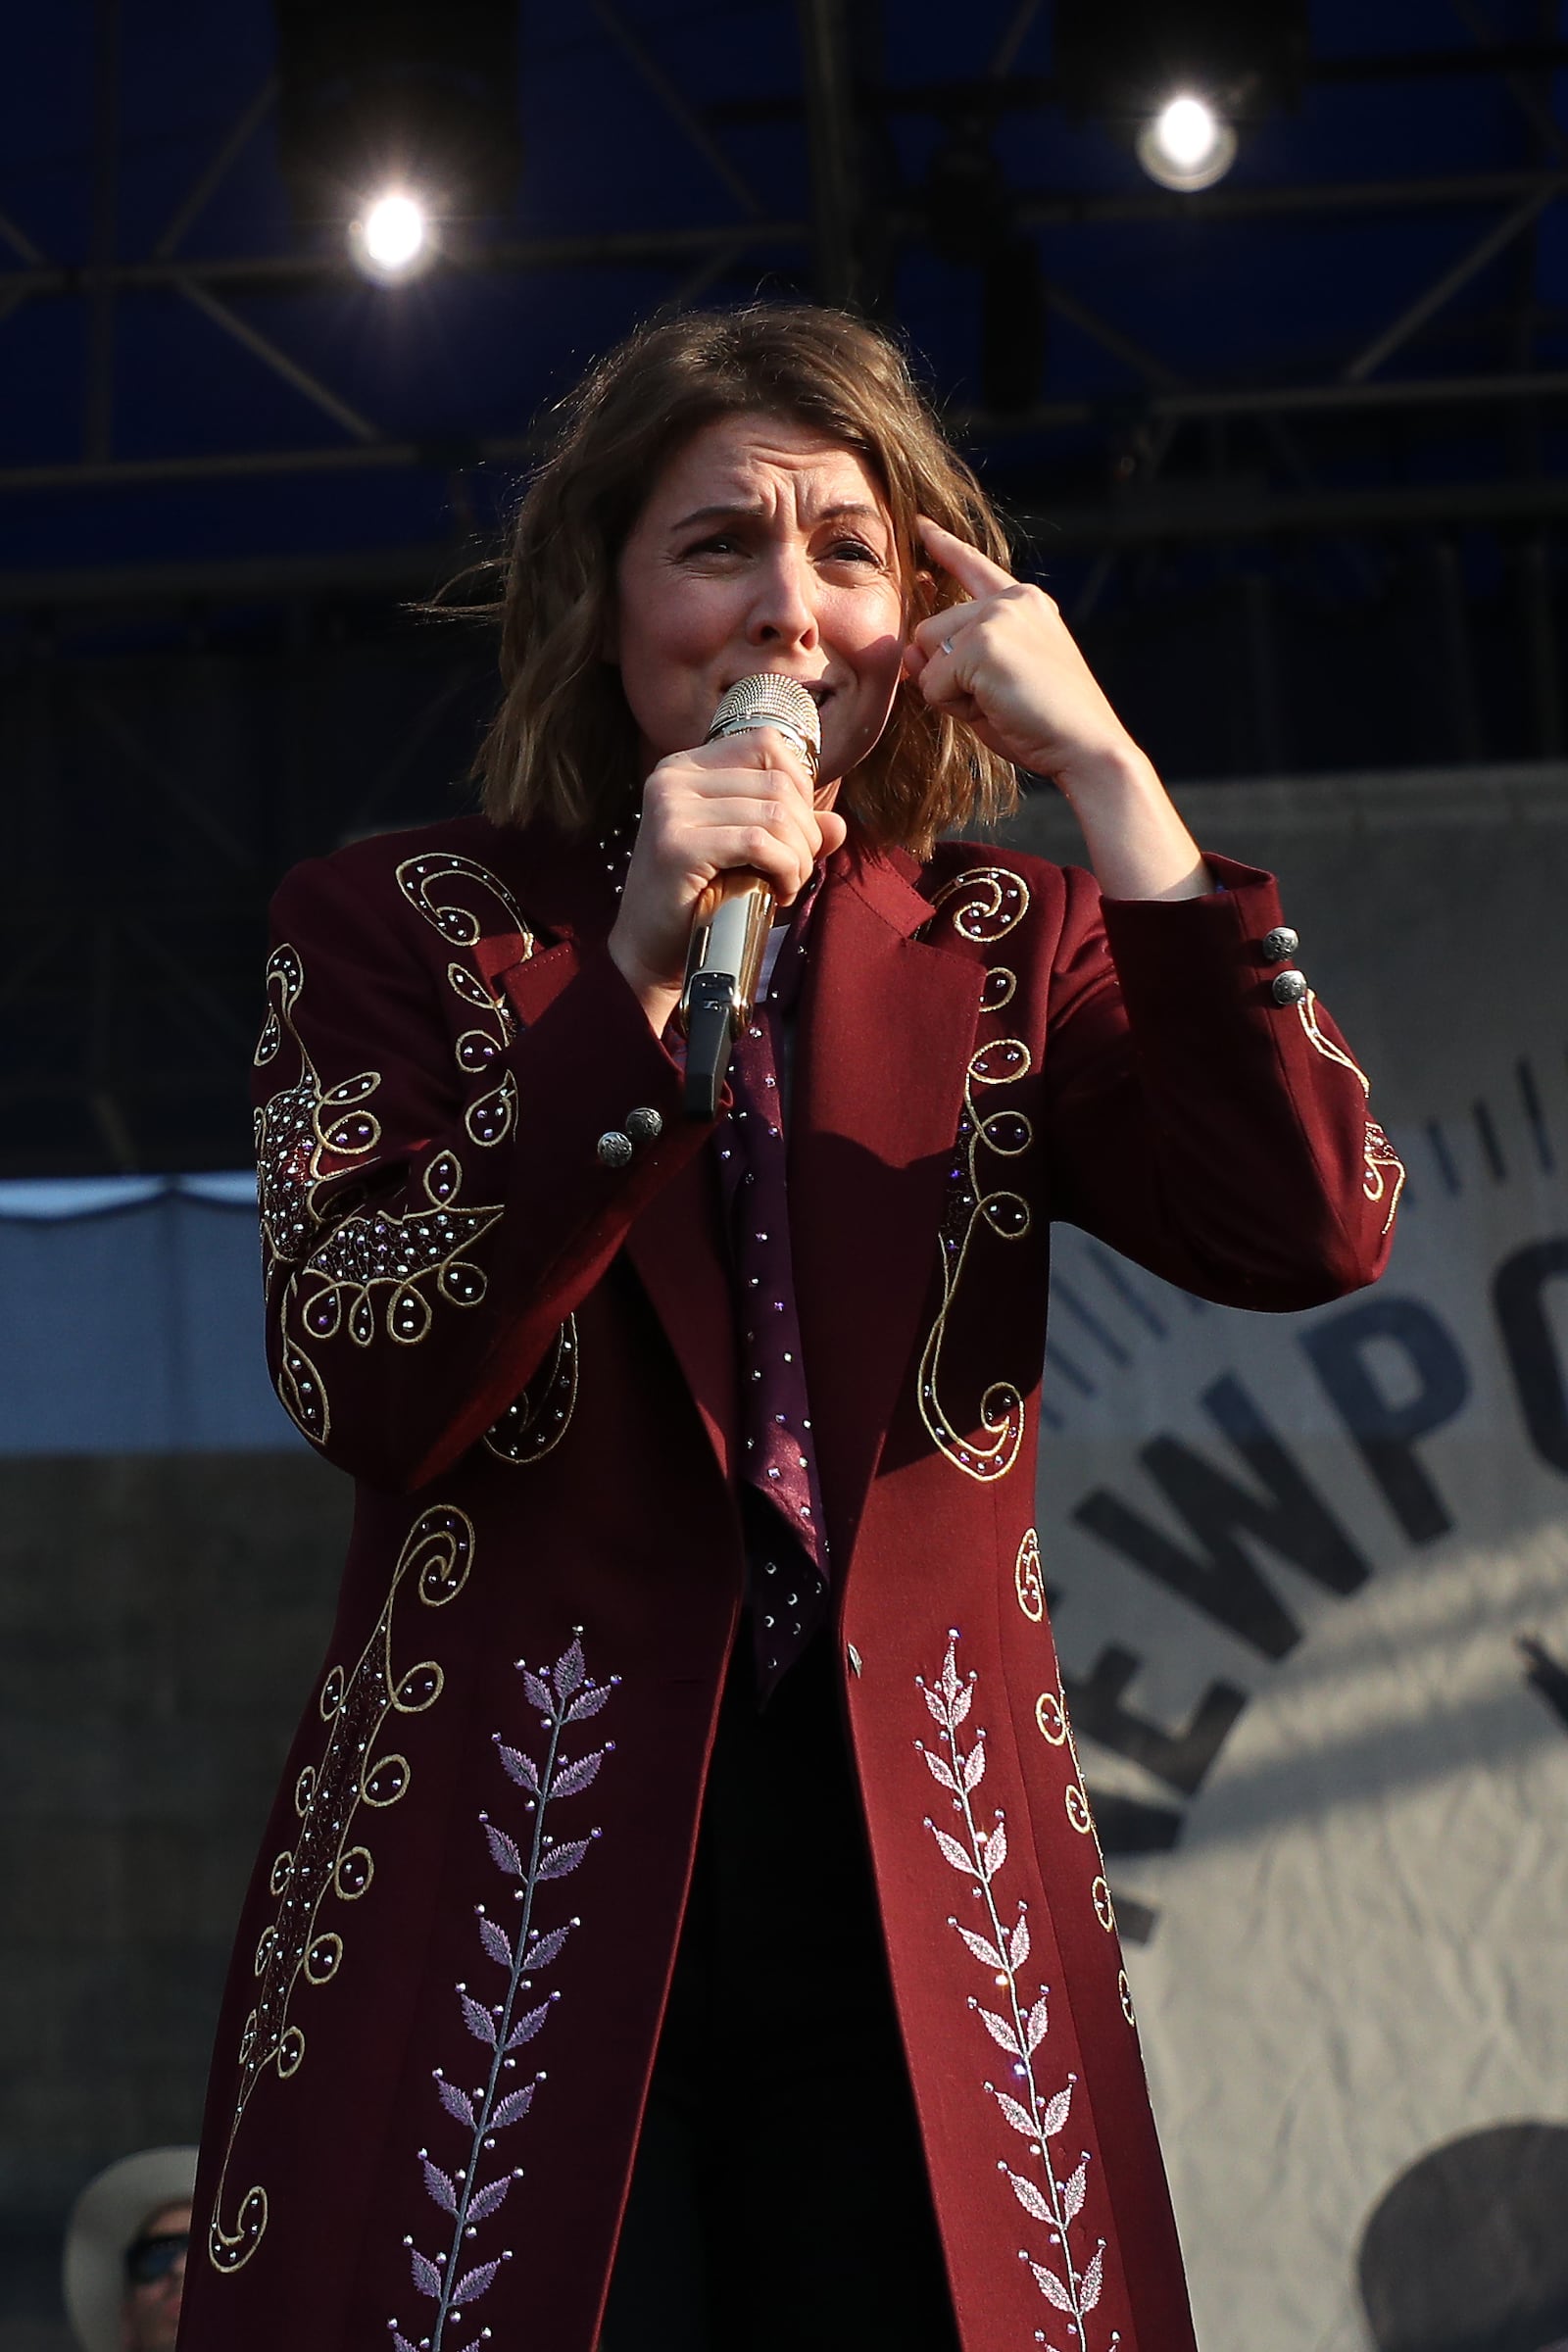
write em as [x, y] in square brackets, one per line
[474, 2282]
[956, 1855]
[567, 1671]
[479, 2022]
[579, 1776]
[443, 2189]
[1056, 2115]
[1051, 2194]
[986, 1954]
[521, 1767]
[1029, 2198]
[527, 2027]
[455, 2102]
[540, 1694]
[563, 1695]
[561, 1858]
[503, 1850]
[488, 2200]
[999, 2031]
[1052, 2287]
[495, 1942]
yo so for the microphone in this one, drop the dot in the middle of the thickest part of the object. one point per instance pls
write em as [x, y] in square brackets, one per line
[735, 913]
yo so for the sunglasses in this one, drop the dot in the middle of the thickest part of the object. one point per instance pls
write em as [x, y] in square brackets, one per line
[153, 2258]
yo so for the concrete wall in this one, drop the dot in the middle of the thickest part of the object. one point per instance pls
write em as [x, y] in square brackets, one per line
[163, 1618]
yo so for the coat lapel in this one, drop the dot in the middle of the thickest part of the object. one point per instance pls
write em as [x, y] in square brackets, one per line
[887, 1029]
[675, 1245]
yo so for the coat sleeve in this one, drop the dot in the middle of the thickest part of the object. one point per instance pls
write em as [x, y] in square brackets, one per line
[1198, 1124]
[434, 1201]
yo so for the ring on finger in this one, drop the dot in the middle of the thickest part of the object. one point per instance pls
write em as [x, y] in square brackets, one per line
[947, 645]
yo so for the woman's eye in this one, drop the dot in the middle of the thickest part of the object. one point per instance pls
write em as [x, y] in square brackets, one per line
[852, 550]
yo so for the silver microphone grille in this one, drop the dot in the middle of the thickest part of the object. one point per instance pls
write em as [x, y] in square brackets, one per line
[769, 702]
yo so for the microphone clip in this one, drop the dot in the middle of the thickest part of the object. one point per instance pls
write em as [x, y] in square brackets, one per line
[711, 1014]
[723, 971]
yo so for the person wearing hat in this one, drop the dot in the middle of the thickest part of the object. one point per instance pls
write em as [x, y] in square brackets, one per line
[123, 2271]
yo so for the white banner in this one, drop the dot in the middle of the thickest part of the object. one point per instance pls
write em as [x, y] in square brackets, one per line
[1310, 1578]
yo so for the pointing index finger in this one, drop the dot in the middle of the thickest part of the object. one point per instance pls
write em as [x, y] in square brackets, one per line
[974, 572]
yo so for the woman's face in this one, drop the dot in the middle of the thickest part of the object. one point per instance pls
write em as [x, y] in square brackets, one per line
[764, 545]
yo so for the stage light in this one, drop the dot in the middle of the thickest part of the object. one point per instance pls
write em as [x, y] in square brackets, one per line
[394, 240]
[1181, 83]
[390, 105]
[1188, 144]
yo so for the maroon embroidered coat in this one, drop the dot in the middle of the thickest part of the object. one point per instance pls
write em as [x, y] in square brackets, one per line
[449, 1980]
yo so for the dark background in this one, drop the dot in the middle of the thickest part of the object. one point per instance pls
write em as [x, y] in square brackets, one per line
[1289, 451]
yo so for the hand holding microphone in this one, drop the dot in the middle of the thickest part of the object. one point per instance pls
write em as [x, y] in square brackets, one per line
[741, 805]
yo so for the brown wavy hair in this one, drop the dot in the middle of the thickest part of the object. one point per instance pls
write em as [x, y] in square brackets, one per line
[563, 743]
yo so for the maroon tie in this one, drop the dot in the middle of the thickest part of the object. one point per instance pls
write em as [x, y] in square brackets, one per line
[786, 1540]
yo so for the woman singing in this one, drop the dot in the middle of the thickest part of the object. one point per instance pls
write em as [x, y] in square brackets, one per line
[682, 1923]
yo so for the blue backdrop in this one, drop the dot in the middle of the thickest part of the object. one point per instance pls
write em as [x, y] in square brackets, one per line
[130, 1317]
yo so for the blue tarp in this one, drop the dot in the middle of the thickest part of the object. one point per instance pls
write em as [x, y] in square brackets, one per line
[130, 1317]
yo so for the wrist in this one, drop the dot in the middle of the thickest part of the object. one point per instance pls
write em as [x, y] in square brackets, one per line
[657, 997]
[1114, 776]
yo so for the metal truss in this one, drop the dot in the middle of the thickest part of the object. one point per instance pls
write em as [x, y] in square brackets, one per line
[164, 792]
[845, 218]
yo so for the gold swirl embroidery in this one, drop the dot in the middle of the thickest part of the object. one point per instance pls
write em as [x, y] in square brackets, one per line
[1318, 1038]
[302, 1125]
[326, 1860]
[991, 902]
[436, 884]
[374, 1251]
[1378, 1154]
[1054, 1727]
[1026, 1578]
[969, 1207]
[535, 1422]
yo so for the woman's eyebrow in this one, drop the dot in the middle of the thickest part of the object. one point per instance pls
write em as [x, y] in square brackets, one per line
[849, 508]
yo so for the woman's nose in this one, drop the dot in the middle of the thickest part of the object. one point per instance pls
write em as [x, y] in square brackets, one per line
[783, 610]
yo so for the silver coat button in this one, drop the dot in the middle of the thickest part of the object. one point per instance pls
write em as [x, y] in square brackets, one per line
[643, 1125]
[1279, 943]
[1288, 988]
[854, 1656]
[613, 1149]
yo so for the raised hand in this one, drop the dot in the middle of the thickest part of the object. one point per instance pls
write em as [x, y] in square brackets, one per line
[1015, 674]
[1005, 663]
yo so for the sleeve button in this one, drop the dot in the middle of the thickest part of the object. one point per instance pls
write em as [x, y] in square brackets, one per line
[613, 1149]
[643, 1125]
[1288, 988]
[1279, 943]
